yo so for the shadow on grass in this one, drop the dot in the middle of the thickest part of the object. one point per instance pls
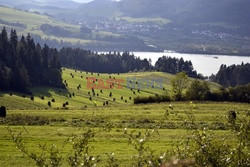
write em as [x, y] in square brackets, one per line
[39, 92]
[48, 91]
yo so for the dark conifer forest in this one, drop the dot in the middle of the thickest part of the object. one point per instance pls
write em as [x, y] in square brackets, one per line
[114, 62]
[175, 65]
[233, 75]
[23, 63]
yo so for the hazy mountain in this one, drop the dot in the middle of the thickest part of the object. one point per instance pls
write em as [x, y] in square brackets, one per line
[210, 26]
[189, 11]
[104, 8]
[40, 4]
[181, 11]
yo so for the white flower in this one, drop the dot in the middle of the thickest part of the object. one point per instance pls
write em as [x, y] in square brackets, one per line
[170, 106]
[141, 140]
[161, 157]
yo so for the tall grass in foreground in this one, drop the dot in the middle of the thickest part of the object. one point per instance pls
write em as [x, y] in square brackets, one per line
[201, 148]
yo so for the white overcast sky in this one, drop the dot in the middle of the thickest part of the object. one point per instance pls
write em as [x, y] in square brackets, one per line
[85, 1]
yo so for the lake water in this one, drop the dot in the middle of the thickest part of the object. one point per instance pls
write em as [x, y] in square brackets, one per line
[204, 64]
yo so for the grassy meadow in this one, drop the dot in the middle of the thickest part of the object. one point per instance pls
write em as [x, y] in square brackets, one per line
[42, 124]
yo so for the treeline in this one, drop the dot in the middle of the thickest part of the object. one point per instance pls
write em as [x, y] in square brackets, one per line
[175, 65]
[55, 30]
[12, 24]
[23, 63]
[200, 91]
[197, 90]
[114, 62]
[232, 75]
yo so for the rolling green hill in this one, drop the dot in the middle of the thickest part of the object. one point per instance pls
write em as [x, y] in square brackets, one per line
[31, 23]
[82, 98]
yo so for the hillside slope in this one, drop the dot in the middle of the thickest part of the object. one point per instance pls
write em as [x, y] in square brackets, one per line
[81, 98]
[196, 11]
[61, 34]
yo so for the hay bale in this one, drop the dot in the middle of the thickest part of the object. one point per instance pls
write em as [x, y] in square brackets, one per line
[3, 111]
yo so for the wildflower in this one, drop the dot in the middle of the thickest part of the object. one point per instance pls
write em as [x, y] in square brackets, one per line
[161, 157]
[170, 106]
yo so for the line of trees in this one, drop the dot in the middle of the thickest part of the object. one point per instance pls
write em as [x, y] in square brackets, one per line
[23, 63]
[175, 65]
[197, 90]
[55, 30]
[114, 62]
[232, 75]
[200, 91]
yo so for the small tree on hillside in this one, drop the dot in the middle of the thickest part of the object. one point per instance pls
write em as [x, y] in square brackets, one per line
[179, 83]
[198, 90]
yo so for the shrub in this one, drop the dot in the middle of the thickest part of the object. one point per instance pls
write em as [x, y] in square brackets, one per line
[90, 98]
[32, 98]
[53, 100]
[3, 111]
[67, 103]
[151, 99]
[49, 103]
[197, 90]
[42, 97]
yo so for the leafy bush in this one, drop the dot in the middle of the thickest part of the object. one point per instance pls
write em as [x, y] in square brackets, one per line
[232, 94]
[197, 90]
[151, 99]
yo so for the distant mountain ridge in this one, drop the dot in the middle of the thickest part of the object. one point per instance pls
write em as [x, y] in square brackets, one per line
[40, 4]
[195, 11]
[180, 11]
